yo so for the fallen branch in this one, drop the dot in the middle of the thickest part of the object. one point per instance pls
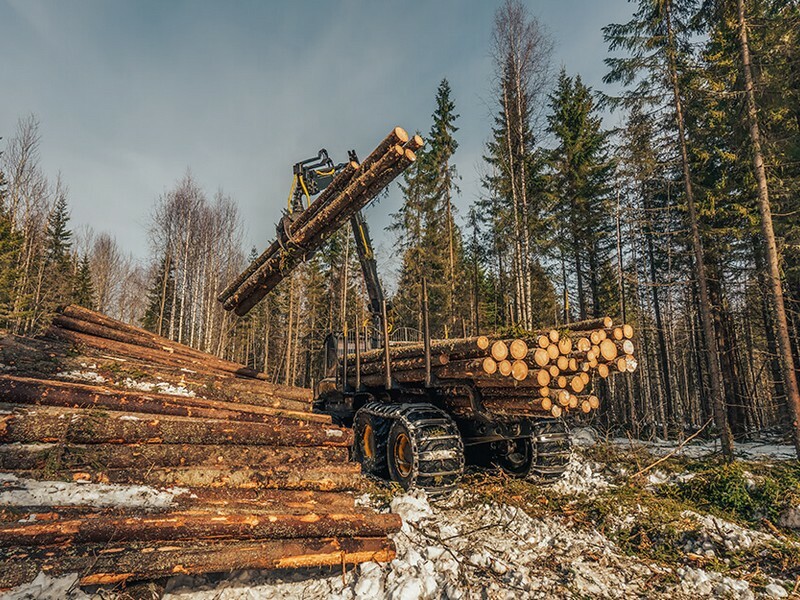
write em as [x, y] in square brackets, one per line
[673, 453]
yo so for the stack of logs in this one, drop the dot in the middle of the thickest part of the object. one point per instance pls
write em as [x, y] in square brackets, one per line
[352, 189]
[547, 373]
[256, 480]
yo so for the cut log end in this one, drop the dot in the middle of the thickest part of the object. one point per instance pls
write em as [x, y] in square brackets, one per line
[608, 349]
[504, 366]
[489, 365]
[518, 349]
[499, 350]
[519, 370]
[401, 134]
[540, 357]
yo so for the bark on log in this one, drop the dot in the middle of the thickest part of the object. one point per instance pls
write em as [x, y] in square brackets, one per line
[142, 455]
[179, 526]
[456, 349]
[45, 358]
[148, 354]
[603, 322]
[199, 501]
[403, 364]
[328, 478]
[112, 563]
[84, 427]
[87, 321]
[339, 183]
[23, 390]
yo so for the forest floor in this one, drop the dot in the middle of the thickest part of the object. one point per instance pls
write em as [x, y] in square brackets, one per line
[687, 527]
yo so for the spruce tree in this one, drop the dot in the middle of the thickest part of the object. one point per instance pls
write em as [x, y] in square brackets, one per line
[59, 266]
[158, 313]
[580, 185]
[444, 256]
[658, 42]
[427, 231]
[10, 244]
[83, 294]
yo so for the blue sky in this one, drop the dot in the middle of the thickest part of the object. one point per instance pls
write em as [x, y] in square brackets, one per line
[130, 94]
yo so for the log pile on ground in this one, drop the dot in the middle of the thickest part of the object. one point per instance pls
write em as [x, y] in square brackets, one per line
[547, 373]
[352, 189]
[254, 479]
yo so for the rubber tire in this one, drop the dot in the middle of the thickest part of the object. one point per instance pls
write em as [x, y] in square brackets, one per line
[513, 469]
[406, 482]
[376, 464]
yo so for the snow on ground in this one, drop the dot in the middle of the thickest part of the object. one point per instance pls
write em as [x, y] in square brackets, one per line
[462, 548]
[16, 491]
[718, 534]
[580, 477]
[45, 587]
[698, 449]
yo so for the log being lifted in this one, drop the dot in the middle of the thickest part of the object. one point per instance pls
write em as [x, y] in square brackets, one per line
[358, 194]
[351, 190]
[104, 564]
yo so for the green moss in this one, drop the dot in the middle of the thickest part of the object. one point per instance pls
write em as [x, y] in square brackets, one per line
[744, 492]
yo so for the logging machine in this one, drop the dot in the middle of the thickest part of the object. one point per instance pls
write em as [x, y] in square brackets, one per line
[407, 431]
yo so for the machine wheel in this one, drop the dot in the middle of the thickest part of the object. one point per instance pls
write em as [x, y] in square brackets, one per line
[514, 456]
[551, 448]
[402, 457]
[369, 446]
[421, 446]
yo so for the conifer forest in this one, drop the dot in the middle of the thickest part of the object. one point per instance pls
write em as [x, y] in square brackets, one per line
[669, 199]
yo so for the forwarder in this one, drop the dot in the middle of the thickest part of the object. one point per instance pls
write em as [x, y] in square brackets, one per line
[423, 408]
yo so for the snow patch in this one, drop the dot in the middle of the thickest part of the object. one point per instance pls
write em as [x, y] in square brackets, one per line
[718, 535]
[703, 448]
[89, 376]
[45, 587]
[160, 387]
[580, 477]
[711, 584]
[16, 491]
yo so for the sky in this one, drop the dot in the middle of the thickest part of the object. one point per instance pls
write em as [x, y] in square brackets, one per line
[131, 94]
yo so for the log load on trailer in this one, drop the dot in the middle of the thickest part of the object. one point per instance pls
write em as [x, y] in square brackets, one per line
[422, 409]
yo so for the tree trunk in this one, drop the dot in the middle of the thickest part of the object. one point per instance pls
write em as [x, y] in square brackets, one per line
[773, 258]
[716, 384]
